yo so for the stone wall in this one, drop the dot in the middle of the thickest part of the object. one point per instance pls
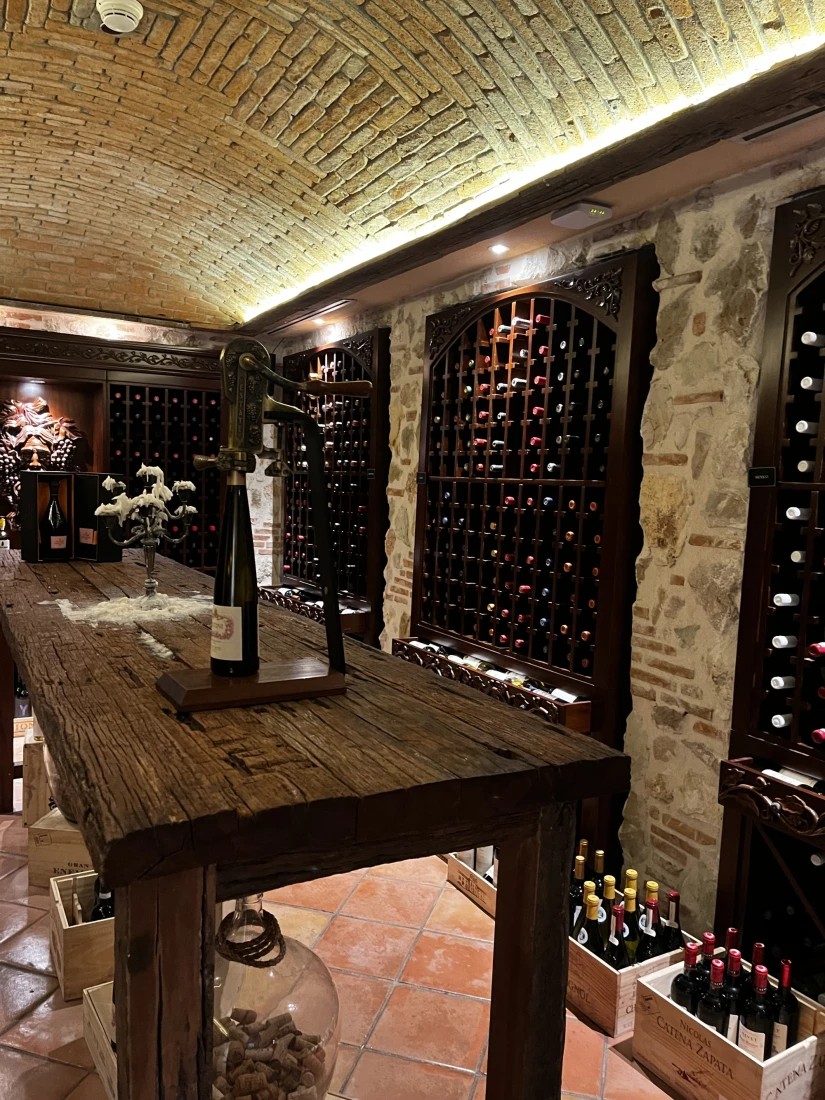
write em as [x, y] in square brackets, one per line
[714, 250]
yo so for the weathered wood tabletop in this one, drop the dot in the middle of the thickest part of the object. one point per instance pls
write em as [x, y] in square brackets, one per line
[225, 802]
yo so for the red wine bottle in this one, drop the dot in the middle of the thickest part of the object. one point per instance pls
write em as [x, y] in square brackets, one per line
[651, 942]
[733, 991]
[712, 1008]
[686, 988]
[672, 937]
[615, 953]
[756, 1025]
[785, 1012]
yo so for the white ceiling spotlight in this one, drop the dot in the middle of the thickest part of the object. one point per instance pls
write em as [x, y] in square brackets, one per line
[499, 249]
[579, 215]
[119, 16]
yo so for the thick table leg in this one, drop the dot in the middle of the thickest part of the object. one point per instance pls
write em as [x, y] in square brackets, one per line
[164, 939]
[527, 1016]
[6, 727]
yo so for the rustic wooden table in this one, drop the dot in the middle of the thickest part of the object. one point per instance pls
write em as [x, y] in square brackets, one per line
[178, 811]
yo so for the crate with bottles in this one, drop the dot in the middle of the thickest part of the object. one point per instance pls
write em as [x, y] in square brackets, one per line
[720, 1026]
[615, 939]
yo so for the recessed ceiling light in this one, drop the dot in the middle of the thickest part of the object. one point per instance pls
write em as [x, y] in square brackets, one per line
[499, 249]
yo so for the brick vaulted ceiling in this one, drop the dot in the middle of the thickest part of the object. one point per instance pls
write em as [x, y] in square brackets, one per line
[230, 151]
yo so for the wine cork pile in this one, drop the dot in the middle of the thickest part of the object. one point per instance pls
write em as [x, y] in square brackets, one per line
[265, 1060]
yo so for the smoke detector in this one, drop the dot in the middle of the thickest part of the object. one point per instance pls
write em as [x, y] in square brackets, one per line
[578, 215]
[119, 16]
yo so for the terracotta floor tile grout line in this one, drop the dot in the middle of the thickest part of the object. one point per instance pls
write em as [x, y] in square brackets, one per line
[393, 986]
[409, 985]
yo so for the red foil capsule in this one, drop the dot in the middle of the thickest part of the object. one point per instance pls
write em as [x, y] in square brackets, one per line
[540, 380]
[538, 410]
[534, 467]
[524, 589]
[535, 440]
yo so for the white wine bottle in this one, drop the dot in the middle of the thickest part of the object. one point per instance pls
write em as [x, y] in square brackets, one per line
[234, 648]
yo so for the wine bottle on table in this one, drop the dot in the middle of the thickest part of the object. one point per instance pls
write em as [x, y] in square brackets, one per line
[576, 891]
[234, 649]
[606, 905]
[590, 936]
[615, 950]
[756, 1024]
[673, 939]
[785, 1013]
[733, 992]
[652, 934]
[54, 528]
[631, 924]
[686, 988]
[581, 916]
[712, 1008]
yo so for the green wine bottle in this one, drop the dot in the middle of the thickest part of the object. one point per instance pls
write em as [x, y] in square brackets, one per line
[591, 934]
[234, 648]
[631, 923]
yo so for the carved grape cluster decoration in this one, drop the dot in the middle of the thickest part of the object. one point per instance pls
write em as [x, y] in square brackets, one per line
[31, 437]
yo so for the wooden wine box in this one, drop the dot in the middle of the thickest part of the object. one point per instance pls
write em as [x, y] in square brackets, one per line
[99, 1032]
[469, 882]
[607, 996]
[55, 848]
[700, 1064]
[83, 954]
[36, 794]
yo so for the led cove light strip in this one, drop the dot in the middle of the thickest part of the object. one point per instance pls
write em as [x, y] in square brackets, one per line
[371, 250]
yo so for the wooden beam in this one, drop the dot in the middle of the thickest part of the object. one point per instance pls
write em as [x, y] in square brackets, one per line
[164, 974]
[527, 1016]
[790, 86]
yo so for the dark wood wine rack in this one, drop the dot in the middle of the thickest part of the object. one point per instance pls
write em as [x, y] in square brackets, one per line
[357, 456]
[530, 466]
[772, 826]
[166, 426]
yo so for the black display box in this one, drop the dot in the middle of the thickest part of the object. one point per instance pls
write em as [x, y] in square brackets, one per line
[79, 495]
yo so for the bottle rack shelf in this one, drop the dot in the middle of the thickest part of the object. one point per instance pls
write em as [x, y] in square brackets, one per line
[774, 819]
[779, 698]
[166, 426]
[527, 528]
[356, 451]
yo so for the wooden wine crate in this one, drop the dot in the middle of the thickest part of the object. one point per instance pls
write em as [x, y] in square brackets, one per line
[55, 848]
[469, 882]
[607, 996]
[83, 954]
[604, 995]
[700, 1064]
[36, 794]
[98, 1031]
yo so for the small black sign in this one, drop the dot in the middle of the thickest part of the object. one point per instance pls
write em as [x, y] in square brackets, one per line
[420, 478]
[761, 477]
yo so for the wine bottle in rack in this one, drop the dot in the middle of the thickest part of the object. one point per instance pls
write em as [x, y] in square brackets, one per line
[798, 513]
[813, 339]
[784, 641]
[234, 648]
[783, 683]
[814, 385]
[805, 466]
[807, 427]
[786, 599]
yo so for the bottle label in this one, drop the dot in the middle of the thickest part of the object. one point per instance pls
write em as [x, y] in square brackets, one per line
[642, 921]
[602, 914]
[614, 940]
[752, 1042]
[732, 1030]
[649, 930]
[578, 910]
[779, 1042]
[582, 936]
[58, 542]
[626, 931]
[87, 536]
[227, 639]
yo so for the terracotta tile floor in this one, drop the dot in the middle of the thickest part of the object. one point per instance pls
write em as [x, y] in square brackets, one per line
[411, 957]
